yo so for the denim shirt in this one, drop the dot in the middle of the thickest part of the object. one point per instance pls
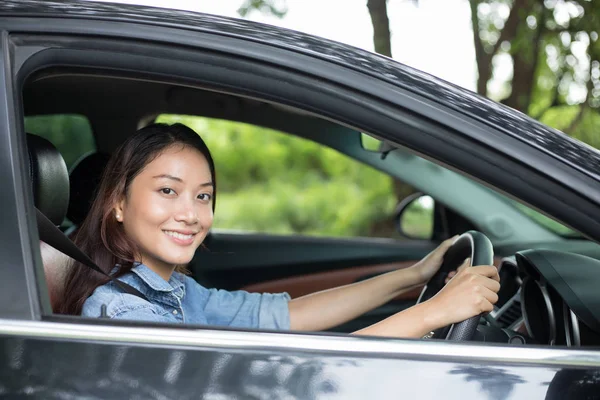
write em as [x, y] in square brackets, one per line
[183, 300]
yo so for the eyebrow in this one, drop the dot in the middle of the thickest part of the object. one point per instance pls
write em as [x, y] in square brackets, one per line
[174, 178]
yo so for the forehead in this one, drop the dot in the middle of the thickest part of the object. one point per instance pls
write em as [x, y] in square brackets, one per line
[181, 161]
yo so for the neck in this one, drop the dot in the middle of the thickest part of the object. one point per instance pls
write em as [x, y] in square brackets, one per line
[163, 270]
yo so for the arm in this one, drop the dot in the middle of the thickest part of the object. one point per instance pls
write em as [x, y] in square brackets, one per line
[329, 308]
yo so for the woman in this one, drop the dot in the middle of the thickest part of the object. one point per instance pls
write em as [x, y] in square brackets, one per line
[153, 210]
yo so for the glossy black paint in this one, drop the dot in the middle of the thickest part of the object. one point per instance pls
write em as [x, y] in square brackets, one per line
[466, 102]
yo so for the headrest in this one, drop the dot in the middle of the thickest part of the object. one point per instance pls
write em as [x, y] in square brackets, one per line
[49, 178]
[85, 178]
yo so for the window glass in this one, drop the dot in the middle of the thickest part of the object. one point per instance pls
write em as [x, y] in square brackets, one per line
[71, 134]
[276, 183]
[547, 222]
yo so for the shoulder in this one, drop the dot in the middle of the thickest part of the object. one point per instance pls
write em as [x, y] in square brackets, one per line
[120, 305]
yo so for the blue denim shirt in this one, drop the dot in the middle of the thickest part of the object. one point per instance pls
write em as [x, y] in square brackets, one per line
[183, 300]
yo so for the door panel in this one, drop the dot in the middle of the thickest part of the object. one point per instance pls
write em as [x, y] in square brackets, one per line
[302, 285]
[232, 261]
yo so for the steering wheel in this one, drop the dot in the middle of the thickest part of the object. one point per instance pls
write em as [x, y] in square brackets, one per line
[471, 244]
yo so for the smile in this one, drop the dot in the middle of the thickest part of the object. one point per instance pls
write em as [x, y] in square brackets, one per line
[180, 236]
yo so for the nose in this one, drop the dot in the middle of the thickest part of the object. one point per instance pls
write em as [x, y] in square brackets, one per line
[187, 212]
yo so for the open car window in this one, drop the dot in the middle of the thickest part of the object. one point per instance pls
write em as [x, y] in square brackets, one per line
[317, 208]
[277, 183]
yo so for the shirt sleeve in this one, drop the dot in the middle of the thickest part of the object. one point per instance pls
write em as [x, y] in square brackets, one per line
[248, 310]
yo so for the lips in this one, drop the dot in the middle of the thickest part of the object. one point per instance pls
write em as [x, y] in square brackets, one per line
[181, 238]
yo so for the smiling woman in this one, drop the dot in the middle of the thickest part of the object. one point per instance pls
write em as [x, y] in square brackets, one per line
[135, 202]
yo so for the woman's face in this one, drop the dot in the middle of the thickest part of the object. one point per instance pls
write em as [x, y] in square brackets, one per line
[167, 210]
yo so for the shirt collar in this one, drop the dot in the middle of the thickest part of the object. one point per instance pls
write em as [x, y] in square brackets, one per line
[155, 281]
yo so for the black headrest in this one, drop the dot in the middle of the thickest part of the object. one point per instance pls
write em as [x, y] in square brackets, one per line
[85, 177]
[49, 178]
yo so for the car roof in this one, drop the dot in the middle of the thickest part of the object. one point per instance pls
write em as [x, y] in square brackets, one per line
[463, 101]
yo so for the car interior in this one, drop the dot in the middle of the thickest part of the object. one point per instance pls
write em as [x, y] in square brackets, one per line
[542, 300]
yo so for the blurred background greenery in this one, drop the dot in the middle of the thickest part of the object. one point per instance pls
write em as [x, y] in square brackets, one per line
[282, 184]
[277, 183]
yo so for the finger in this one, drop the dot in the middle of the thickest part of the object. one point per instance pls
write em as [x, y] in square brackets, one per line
[448, 242]
[490, 296]
[465, 264]
[484, 299]
[483, 282]
[486, 270]
[485, 306]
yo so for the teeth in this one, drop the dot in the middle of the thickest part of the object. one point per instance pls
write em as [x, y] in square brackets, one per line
[179, 235]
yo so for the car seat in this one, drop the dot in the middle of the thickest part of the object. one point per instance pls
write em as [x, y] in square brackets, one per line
[50, 184]
[84, 180]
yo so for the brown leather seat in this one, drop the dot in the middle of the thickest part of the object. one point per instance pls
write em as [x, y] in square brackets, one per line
[50, 183]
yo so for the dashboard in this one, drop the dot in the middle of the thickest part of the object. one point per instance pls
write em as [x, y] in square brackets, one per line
[547, 297]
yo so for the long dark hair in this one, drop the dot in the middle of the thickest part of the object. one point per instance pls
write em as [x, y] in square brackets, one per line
[100, 236]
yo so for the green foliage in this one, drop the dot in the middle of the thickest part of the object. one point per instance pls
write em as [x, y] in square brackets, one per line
[554, 44]
[70, 134]
[277, 183]
[268, 7]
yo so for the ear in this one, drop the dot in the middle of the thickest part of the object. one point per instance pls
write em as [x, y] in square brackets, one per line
[118, 210]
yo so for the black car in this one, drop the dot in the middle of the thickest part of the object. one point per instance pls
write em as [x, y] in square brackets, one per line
[481, 169]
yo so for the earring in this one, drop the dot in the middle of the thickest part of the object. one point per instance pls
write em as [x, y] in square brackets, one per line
[118, 217]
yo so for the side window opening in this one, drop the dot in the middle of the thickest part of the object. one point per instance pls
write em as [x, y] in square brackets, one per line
[277, 183]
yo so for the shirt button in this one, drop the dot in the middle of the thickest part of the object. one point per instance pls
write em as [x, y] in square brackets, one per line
[175, 312]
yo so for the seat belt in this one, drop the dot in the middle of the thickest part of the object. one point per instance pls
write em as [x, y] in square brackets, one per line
[54, 237]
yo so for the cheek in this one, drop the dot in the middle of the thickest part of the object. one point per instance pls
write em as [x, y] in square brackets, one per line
[144, 211]
[207, 218]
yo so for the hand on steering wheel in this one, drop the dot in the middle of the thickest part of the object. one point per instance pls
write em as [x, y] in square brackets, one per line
[468, 294]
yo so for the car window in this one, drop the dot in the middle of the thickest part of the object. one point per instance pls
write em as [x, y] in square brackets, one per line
[71, 134]
[276, 183]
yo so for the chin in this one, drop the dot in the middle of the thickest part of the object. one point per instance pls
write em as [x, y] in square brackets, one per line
[178, 260]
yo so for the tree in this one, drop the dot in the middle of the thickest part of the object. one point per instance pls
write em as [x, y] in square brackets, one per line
[554, 50]
[555, 53]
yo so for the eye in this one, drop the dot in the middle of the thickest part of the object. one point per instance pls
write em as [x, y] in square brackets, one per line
[204, 196]
[167, 191]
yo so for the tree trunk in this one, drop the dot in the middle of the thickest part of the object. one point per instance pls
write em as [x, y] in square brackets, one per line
[381, 26]
[514, 24]
[484, 60]
[525, 57]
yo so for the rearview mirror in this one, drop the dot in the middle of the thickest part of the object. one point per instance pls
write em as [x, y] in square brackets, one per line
[415, 216]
